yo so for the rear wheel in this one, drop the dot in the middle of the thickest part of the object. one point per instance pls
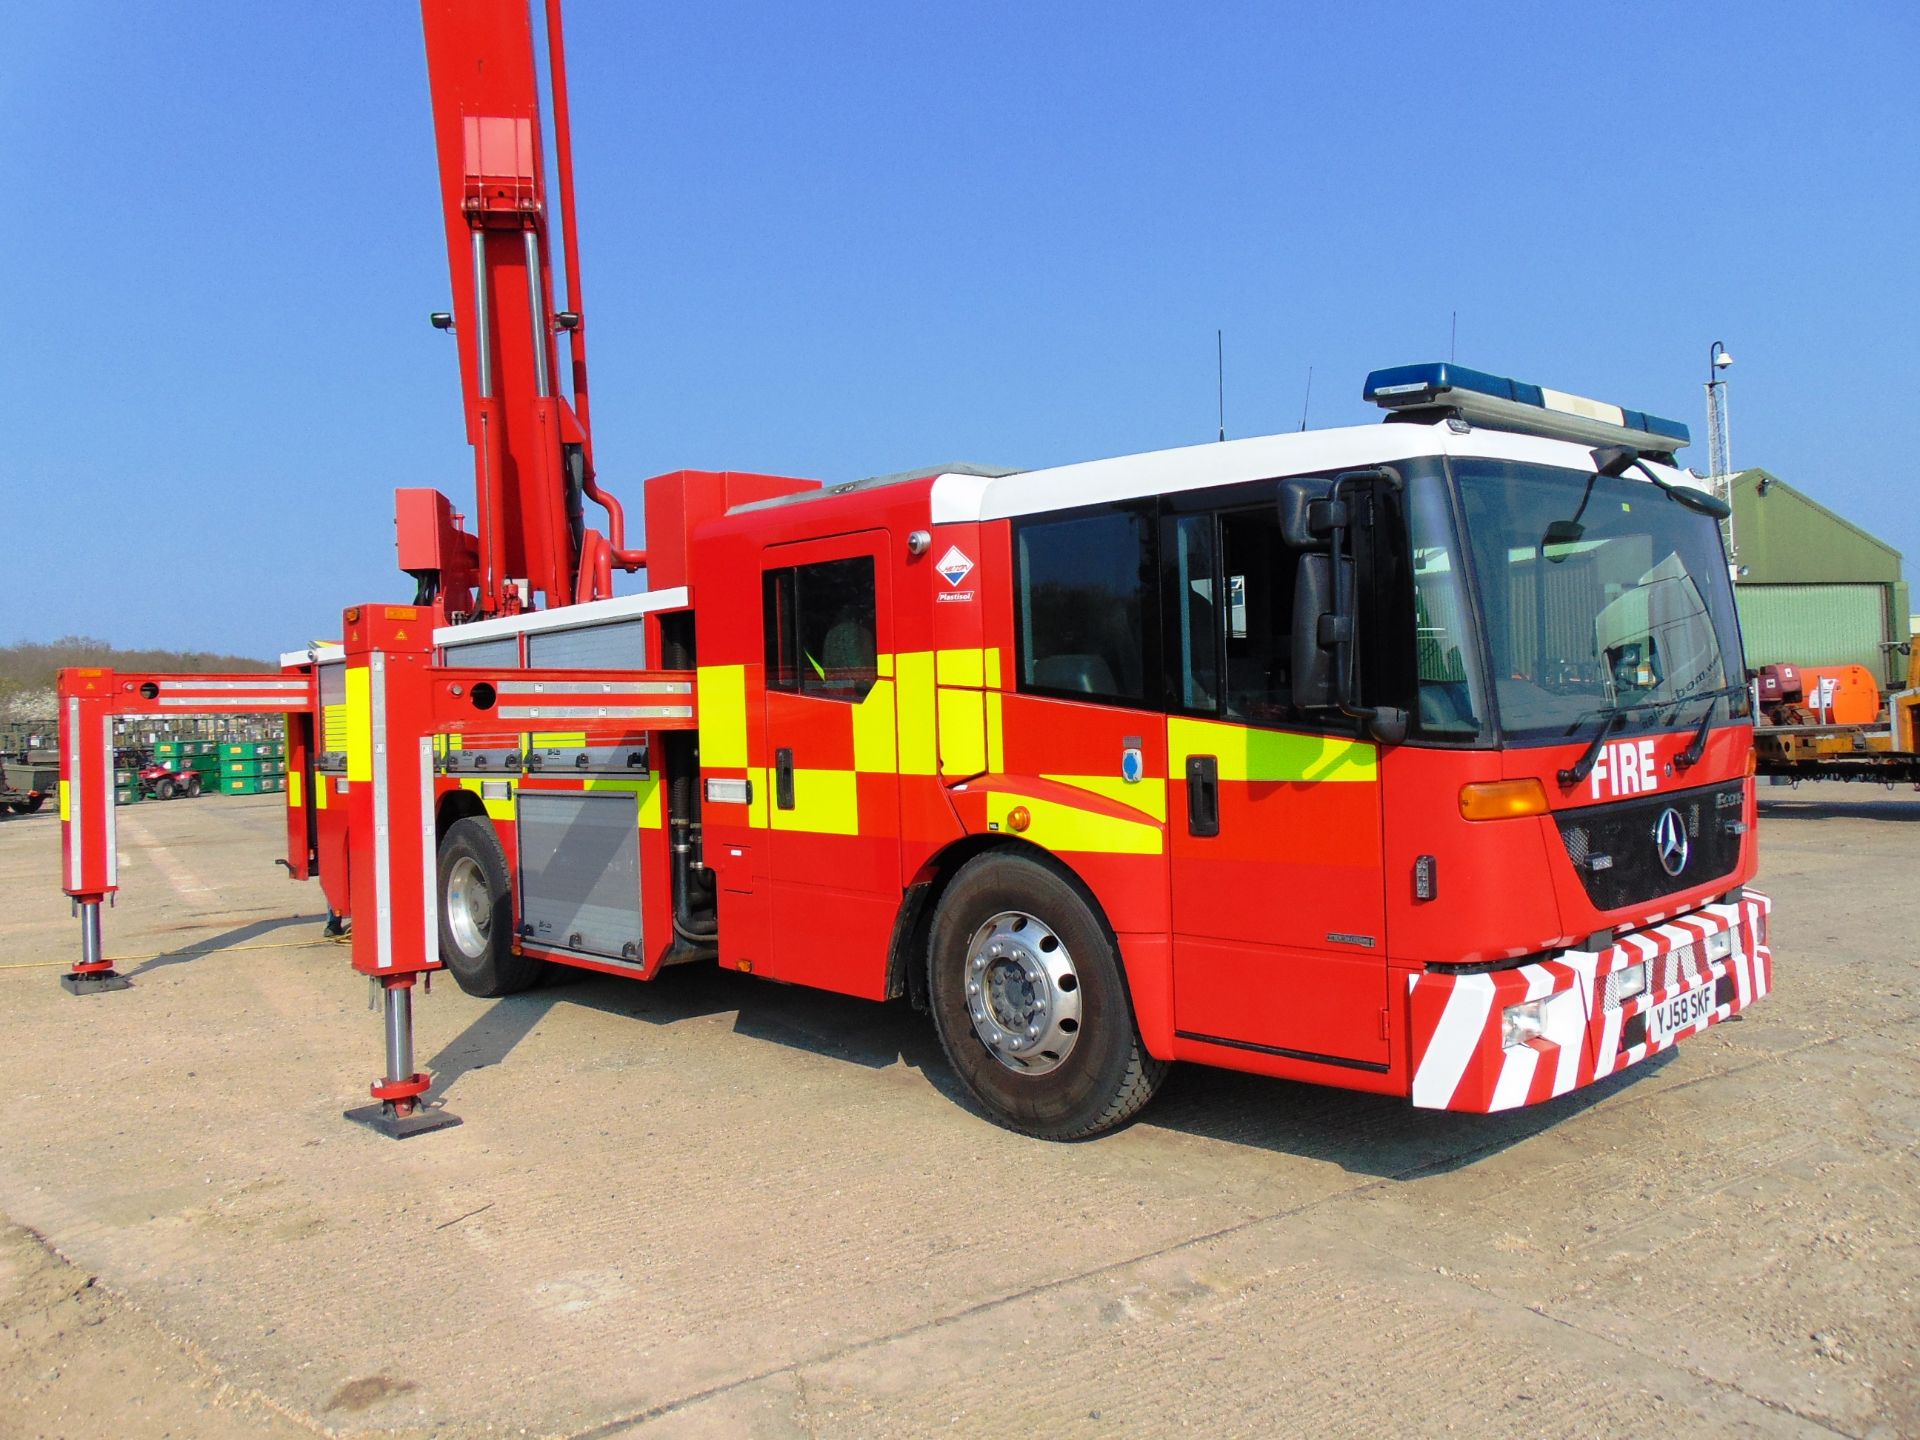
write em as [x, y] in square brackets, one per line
[476, 913]
[26, 806]
[1030, 1003]
[193, 786]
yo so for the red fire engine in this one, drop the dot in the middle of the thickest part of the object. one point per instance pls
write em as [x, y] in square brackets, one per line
[1413, 758]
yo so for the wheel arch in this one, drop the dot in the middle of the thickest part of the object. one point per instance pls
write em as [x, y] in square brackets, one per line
[908, 956]
[456, 804]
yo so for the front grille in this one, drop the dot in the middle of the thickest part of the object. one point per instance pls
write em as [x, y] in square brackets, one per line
[1617, 848]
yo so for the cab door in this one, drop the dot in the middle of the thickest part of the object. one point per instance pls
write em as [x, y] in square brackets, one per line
[833, 800]
[1279, 910]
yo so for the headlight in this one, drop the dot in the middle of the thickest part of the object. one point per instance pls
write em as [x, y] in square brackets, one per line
[1630, 982]
[1524, 1022]
[1720, 946]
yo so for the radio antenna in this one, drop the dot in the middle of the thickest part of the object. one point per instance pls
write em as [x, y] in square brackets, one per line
[1308, 400]
[1453, 338]
[1220, 376]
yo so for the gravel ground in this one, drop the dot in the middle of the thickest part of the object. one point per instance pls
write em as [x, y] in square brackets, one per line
[717, 1206]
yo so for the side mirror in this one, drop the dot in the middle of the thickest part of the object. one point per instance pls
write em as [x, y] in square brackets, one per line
[1317, 631]
[1309, 513]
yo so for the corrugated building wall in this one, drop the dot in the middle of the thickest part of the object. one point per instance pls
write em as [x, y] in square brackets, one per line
[1813, 588]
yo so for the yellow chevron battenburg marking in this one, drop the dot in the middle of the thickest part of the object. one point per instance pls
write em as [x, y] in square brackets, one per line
[722, 695]
[359, 722]
[64, 815]
[996, 749]
[883, 666]
[1147, 796]
[1271, 755]
[648, 792]
[963, 732]
[559, 739]
[294, 790]
[825, 802]
[959, 667]
[496, 809]
[320, 787]
[873, 731]
[993, 668]
[913, 698]
[762, 782]
[1061, 827]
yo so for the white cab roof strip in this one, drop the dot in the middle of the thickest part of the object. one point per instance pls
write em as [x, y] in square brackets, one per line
[565, 617]
[964, 498]
[314, 655]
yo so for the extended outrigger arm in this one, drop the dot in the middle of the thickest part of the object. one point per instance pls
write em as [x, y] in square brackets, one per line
[397, 702]
[90, 701]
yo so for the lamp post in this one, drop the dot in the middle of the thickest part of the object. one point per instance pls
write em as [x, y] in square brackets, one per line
[1719, 446]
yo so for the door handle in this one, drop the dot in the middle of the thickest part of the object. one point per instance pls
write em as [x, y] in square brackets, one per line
[783, 779]
[1203, 795]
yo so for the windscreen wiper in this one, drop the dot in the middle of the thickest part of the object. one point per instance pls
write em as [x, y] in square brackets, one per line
[1609, 722]
[1697, 747]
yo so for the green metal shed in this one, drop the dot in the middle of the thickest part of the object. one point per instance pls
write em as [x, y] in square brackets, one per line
[1813, 588]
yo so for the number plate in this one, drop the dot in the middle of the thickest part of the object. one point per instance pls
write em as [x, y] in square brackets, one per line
[1681, 1012]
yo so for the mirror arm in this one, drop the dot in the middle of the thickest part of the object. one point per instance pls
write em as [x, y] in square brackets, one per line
[1386, 724]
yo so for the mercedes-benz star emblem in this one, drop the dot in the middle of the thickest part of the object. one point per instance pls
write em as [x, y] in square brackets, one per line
[1670, 841]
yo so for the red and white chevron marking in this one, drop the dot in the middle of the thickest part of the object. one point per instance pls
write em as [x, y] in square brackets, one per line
[1459, 1062]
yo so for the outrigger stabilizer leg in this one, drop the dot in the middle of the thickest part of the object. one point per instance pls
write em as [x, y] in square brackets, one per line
[92, 973]
[398, 1110]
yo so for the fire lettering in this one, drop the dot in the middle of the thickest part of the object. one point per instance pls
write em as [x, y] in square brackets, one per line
[1626, 767]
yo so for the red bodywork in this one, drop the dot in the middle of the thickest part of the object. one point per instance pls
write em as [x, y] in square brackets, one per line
[1339, 920]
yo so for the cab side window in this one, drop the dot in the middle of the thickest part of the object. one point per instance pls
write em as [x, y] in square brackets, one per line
[1087, 615]
[820, 628]
[1258, 573]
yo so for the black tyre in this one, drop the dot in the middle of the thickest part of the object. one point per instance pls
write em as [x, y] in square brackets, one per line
[476, 913]
[164, 790]
[193, 787]
[28, 805]
[1030, 1003]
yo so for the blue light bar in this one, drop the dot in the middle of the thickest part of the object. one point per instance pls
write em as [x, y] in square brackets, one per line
[1501, 404]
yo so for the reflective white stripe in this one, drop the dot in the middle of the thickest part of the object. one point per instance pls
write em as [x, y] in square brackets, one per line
[382, 830]
[265, 683]
[595, 712]
[230, 703]
[429, 858]
[109, 836]
[76, 788]
[594, 687]
[1454, 1040]
[1569, 1031]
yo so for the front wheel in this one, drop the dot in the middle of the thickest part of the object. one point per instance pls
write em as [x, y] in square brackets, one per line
[476, 913]
[164, 790]
[193, 787]
[1030, 1003]
[28, 805]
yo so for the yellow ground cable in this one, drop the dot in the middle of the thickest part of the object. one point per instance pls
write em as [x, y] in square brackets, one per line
[187, 950]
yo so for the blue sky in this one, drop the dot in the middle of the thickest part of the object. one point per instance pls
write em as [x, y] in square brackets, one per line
[844, 239]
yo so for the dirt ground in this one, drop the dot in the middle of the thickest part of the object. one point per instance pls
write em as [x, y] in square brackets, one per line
[714, 1206]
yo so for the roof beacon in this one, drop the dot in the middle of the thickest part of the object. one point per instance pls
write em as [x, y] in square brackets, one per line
[1427, 392]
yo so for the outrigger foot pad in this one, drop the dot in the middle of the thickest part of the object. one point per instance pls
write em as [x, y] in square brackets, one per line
[395, 1126]
[94, 982]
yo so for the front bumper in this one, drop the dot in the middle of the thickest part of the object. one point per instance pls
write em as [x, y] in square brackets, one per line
[1460, 1062]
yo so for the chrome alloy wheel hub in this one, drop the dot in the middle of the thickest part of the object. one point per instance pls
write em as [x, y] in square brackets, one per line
[469, 907]
[1023, 993]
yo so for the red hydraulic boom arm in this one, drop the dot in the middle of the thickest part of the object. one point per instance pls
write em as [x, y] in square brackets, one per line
[532, 448]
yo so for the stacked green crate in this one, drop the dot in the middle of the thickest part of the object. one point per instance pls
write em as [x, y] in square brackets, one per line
[127, 789]
[253, 750]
